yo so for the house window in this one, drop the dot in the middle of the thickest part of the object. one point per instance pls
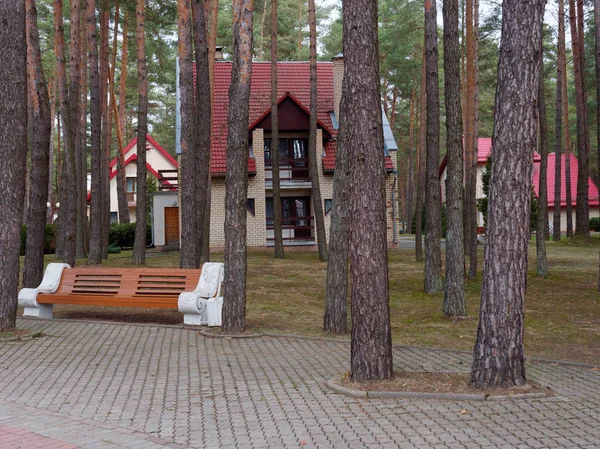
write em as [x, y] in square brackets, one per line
[250, 206]
[131, 184]
[113, 217]
[328, 206]
[293, 158]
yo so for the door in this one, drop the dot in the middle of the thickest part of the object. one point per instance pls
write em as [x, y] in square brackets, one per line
[171, 225]
[296, 208]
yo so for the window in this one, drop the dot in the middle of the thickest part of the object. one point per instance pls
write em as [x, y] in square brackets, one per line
[250, 206]
[328, 206]
[113, 217]
[131, 184]
[334, 121]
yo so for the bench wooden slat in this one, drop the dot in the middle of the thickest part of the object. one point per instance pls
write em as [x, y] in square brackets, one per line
[130, 287]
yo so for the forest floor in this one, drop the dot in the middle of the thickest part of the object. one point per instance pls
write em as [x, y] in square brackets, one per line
[562, 319]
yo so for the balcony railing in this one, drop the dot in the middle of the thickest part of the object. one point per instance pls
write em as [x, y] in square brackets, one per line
[294, 229]
[290, 170]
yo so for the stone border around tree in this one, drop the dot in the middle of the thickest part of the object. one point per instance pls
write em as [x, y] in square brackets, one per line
[333, 385]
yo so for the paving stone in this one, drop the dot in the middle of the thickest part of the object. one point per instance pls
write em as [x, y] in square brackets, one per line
[156, 386]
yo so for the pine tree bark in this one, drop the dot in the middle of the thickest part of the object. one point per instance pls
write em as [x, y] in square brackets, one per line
[106, 128]
[277, 215]
[82, 184]
[139, 244]
[568, 146]
[498, 359]
[33, 267]
[312, 138]
[51, 153]
[582, 222]
[121, 178]
[561, 63]
[542, 212]
[236, 179]
[202, 128]
[371, 346]
[190, 257]
[122, 203]
[74, 193]
[474, 157]
[336, 284]
[410, 182]
[95, 251]
[433, 221]
[68, 206]
[421, 164]
[13, 151]
[454, 294]
[597, 61]
[469, 137]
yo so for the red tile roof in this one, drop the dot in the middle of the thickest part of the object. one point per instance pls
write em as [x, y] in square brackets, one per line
[293, 81]
[574, 166]
[484, 149]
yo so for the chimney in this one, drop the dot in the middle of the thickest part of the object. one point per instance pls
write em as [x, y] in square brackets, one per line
[218, 53]
[338, 76]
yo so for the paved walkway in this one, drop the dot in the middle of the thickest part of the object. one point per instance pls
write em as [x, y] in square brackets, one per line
[100, 385]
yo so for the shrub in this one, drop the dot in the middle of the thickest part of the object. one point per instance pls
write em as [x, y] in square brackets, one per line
[114, 249]
[122, 235]
[595, 224]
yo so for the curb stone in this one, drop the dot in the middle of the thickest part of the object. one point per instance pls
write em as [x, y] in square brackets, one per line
[359, 394]
[209, 334]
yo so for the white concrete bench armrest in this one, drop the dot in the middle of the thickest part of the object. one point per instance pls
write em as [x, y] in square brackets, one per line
[50, 282]
[193, 304]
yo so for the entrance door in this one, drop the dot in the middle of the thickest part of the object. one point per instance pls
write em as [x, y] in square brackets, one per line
[171, 225]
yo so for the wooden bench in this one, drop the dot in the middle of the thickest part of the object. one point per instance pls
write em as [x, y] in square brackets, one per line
[192, 291]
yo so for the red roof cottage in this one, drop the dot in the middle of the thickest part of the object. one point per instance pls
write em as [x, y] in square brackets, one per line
[484, 151]
[294, 105]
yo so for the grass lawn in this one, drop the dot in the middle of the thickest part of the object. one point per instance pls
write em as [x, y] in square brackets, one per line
[562, 319]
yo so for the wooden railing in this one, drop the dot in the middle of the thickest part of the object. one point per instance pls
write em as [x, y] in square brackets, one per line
[289, 170]
[294, 228]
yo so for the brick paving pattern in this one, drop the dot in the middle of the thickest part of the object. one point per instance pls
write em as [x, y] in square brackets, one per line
[95, 385]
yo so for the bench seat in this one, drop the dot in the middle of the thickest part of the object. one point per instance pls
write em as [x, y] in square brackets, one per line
[191, 291]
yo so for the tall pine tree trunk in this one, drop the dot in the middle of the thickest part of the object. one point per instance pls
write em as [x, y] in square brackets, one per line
[104, 68]
[236, 179]
[68, 206]
[13, 151]
[556, 223]
[95, 252]
[542, 212]
[498, 358]
[121, 178]
[51, 152]
[433, 221]
[410, 182]
[82, 185]
[277, 225]
[202, 128]
[568, 147]
[33, 268]
[76, 130]
[371, 346]
[139, 244]
[597, 60]
[313, 160]
[454, 294]
[581, 208]
[189, 219]
[475, 151]
[469, 137]
[421, 164]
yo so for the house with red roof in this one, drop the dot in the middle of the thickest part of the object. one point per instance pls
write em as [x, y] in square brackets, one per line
[293, 107]
[484, 152]
[159, 164]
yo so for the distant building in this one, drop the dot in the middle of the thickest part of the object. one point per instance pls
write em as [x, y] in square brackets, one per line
[485, 150]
